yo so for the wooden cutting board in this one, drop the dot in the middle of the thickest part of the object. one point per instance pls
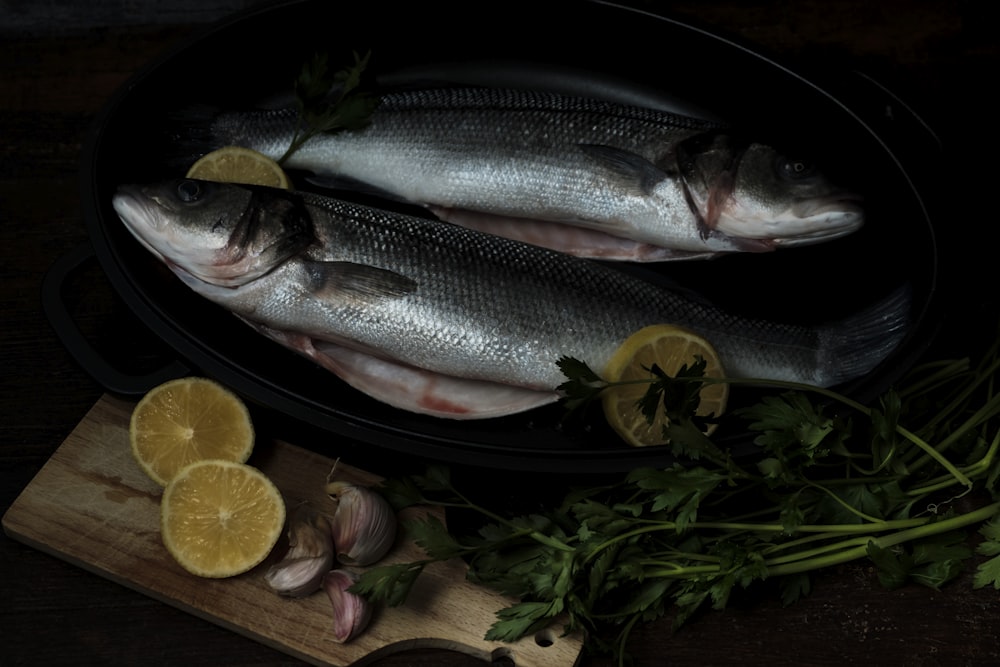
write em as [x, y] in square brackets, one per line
[91, 505]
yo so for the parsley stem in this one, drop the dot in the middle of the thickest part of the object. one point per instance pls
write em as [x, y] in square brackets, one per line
[932, 453]
[299, 137]
[946, 371]
[932, 488]
[983, 414]
[540, 537]
[955, 405]
[824, 531]
[930, 528]
[819, 552]
[842, 551]
[986, 462]
[623, 638]
[842, 503]
[817, 537]
[958, 402]
[840, 528]
[972, 470]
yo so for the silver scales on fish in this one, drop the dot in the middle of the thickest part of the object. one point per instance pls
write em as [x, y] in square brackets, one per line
[449, 317]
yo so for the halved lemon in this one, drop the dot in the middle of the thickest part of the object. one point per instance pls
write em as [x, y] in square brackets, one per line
[669, 347]
[220, 518]
[187, 420]
[236, 164]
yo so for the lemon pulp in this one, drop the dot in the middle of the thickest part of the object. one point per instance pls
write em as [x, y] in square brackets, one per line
[236, 164]
[186, 420]
[669, 347]
[220, 518]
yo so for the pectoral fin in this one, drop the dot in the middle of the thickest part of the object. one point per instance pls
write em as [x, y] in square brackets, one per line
[633, 171]
[359, 282]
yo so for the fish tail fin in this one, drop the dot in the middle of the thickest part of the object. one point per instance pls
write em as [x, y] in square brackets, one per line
[853, 347]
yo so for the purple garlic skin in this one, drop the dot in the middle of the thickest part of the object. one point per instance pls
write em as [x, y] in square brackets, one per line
[351, 612]
[309, 557]
[363, 526]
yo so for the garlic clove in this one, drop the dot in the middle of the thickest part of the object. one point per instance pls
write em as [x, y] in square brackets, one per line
[351, 612]
[309, 557]
[298, 577]
[363, 525]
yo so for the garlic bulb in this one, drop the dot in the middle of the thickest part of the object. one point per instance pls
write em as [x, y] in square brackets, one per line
[351, 612]
[363, 525]
[309, 556]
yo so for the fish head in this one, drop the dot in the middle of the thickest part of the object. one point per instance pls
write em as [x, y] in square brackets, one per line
[752, 191]
[219, 233]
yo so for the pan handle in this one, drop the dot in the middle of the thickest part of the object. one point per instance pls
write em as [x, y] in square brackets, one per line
[92, 361]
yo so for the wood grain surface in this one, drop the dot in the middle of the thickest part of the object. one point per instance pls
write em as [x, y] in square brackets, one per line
[92, 506]
[58, 69]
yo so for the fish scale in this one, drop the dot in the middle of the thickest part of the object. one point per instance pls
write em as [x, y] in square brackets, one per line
[579, 175]
[404, 291]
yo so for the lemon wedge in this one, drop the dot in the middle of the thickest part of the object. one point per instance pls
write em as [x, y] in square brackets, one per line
[236, 164]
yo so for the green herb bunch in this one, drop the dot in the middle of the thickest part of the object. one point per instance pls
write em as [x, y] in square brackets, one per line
[833, 481]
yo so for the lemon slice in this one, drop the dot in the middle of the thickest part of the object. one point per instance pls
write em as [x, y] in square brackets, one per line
[220, 518]
[669, 347]
[187, 420]
[236, 164]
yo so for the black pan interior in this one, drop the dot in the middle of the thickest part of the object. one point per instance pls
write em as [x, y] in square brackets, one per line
[606, 50]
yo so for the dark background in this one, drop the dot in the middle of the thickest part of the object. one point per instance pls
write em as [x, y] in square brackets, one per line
[59, 63]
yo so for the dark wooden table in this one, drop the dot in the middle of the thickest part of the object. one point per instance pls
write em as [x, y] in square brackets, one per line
[54, 76]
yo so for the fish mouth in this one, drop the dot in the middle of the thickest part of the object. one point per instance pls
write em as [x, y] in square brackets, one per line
[821, 222]
[804, 223]
[141, 214]
[139, 218]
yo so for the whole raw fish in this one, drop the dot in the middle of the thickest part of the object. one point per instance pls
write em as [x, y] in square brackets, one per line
[583, 176]
[447, 321]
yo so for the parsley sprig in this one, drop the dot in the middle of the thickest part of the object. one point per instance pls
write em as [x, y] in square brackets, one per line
[329, 101]
[834, 481]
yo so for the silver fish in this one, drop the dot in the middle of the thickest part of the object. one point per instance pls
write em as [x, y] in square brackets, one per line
[442, 320]
[583, 176]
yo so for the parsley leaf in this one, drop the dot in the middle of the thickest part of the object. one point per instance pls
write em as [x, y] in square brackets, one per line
[794, 587]
[676, 489]
[931, 562]
[988, 572]
[434, 538]
[582, 386]
[390, 584]
[330, 101]
[793, 430]
[522, 619]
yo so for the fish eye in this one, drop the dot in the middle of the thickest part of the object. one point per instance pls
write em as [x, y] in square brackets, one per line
[189, 191]
[795, 169]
